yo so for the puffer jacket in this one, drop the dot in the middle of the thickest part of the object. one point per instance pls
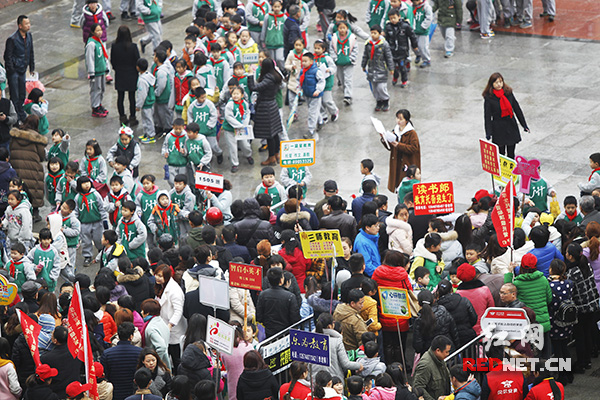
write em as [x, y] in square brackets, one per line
[449, 12]
[339, 363]
[194, 364]
[190, 277]
[463, 313]
[321, 305]
[451, 247]
[277, 309]
[18, 222]
[257, 385]
[397, 277]
[469, 391]
[366, 244]
[288, 221]
[88, 18]
[534, 290]
[136, 284]
[381, 393]
[297, 265]
[480, 296]
[377, 67]
[353, 326]
[369, 311]
[27, 152]
[252, 229]
[398, 36]
[444, 325]
[400, 235]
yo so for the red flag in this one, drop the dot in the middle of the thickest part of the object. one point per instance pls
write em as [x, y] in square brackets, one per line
[78, 340]
[503, 215]
[31, 331]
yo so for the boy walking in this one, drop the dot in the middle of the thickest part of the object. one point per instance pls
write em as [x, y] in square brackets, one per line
[312, 84]
[398, 32]
[422, 22]
[150, 11]
[203, 112]
[144, 100]
[449, 16]
[173, 149]
[377, 61]
[165, 95]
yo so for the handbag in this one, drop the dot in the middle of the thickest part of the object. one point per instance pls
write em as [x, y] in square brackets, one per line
[554, 207]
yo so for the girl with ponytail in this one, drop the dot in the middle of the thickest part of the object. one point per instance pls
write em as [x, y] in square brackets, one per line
[433, 320]
[322, 388]
[299, 387]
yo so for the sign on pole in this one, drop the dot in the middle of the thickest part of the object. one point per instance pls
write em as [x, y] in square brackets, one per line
[209, 181]
[309, 347]
[433, 198]
[394, 302]
[503, 215]
[490, 157]
[511, 320]
[527, 170]
[219, 335]
[297, 153]
[245, 276]
[277, 354]
[506, 175]
[213, 292]
[321, 244]
[8, 291]
[250, 58]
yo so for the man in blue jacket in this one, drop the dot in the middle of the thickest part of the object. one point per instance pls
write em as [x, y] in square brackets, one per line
[291, 28]
[18, 55]
[366, 243]
[120, 362]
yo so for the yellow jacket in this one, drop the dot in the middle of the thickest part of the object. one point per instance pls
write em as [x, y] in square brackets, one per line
[250, 47]
[369, 310]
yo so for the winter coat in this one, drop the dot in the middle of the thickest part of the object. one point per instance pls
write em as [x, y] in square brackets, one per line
[449, 12]
[480, 297]
[171, 310]
[21, 356]
[339, 363]
[396, 277]
[561, 291]
[371, 366]
[400, 235]
[300, 390]
[136, 285]
[194, 364]
[7, 173]
[469, 391]
[191, 276]
[321, 305]
[277, 309]
[27, 152]
[252, 229]
[267, 121]
[296, 264]
[342, 221]
[502, 130]
[40, 392]
[493, 282]
[585, 294]
[288, 221]
[161, 382]
[534, 290]
[594, 265]
[444, 325]
[119, 367]
[544, 256]
[380, 64]
[366, 244]
[156, 336]
[542, 389]
[257, 385]
[234, 363]
[398, 36]
[9, 382]
[88, 18]
[464, 316]
[18, 53]
[432, 375]
[353, 326]
[451, 247]
[501, 264]
[369, 311]
[18, 223]
[380, 393]
[408, 152]
[123, 58]
[236, 302]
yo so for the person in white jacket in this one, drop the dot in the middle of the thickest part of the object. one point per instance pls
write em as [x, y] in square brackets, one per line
[399, 230]
[171, 299]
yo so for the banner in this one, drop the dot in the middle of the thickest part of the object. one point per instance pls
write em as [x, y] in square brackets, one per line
[321, 244]
[433, 198]
[506, 175]
[490, 157]
[245, 276]
[78, 340]
[394, 302]
[527, 170]
[503, 215]
[8, 291]
[31, 331]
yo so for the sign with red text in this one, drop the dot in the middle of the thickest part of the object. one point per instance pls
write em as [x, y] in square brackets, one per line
[527, 170]
[219, 335]
[503, 215]
[321, 244]
[490, 157]
[514, 321]
[209, 181]
[245, 276]
[433, 198]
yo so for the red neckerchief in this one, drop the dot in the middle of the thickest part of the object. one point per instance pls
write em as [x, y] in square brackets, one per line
[101, 44]
[117, 198]
[506, 109]
[85, 200]
[54, 178]
[67, 185]
[66, 219]
[238, 78]
[417, 7]
[154, 70]
[317, 57]
[126, 228]
[163, 214]
[299, 57]
[209, 42]
[232, 51]
[377, 6]
[592, 174]
[154, 189]
[266, 189]
[302, 76]
[373, 47]
[260, 6]
[573, 217]
[12, 268]
[275, 17]
[240, 105]
[89, 166]
[220, 60]
[343, 43]
[177, 144]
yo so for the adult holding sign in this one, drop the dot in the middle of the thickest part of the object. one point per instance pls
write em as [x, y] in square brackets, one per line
[405, 149]
[500, 108]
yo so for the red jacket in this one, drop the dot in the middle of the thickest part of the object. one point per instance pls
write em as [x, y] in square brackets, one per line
[480, 296]
[543, 391]
[395, 277]
[504, 385]
[182, 87]
[297, 264]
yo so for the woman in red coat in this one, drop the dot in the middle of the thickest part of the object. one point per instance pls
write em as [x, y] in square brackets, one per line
[296, 263]
[393, 274]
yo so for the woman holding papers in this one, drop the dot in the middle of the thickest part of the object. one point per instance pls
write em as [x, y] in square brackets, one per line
[404, 147]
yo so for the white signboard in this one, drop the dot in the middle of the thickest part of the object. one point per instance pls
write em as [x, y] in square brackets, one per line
[209, 181]
[219, 335]
[250, 58]
[513, 321]
[214, 292]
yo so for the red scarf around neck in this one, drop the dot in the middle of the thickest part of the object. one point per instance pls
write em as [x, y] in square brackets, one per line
[177, 143]
[341, 44]
[89, 165]
[85, 199]
[275, 16]
[115, 213]
[13, 269]
[55, 178]
[592, 174]
[303, 74]
[240, 105]
[373, 44]
[261, 7]
[571, 218]
[126, 226]
[101, 44]
[505, 107]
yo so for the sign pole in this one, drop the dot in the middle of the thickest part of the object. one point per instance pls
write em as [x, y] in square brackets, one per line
[245, 310]
[297, 194]
[401, 346]
[493, 185]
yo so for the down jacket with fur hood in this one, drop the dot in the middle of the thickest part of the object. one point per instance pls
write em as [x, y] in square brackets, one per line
[27, 151]
[400, 235]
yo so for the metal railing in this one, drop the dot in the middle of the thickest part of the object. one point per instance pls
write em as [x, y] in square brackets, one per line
[474, 349]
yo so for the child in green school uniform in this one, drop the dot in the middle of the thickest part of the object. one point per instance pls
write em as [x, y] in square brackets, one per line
[220, 66]
[115, 199]
[181, 195]
[164, 217]
[60, 147]
[55, 173]
[71, 228]
[132, 232]
[237, 117]
[271, 187]
[93, 164]
[66, 187]
[271, 36]
[91, 213]
[19, 268]
[413, 175]
[44, 257]
[571, 213]
[145, 202]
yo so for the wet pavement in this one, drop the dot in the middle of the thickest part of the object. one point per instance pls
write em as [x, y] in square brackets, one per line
[555, 81]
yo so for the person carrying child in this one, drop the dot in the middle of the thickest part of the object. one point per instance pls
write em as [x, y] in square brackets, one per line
[376, 62]
[91, 213]
[427, 254]
[96, 60]
[131, 231]
[398, 32]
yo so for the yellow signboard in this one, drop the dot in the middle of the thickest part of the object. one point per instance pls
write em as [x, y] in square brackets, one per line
[506, 167]
[321, 244]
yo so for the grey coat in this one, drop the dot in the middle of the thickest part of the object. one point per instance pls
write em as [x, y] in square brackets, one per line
[339, 363]
[380, 64]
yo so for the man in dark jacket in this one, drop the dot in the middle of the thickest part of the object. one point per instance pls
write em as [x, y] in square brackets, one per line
[8, 117]
[60, 357]
[18, 55]
[291, 28]
[252, 229]
[357, 267]
[194, 238]
[120, 362]
[277, 308]
[229, 239]
[192, 305]
[338, 219]
[369, 188]
[431, 373]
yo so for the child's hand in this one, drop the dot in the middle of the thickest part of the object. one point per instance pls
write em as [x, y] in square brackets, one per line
[166, 155]
[137, 109]
[438, 269]
[38, 268]
[512, 266]
[209, 195]
[316, 93]
[118, 203]
[111, 164]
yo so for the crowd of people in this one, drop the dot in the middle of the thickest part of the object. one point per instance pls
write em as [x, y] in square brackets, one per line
[240, 64]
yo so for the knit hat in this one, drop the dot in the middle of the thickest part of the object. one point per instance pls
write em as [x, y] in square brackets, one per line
[44, 371]
[466, 272]
[480, 194]
[125, 130]
[99, 369]
[263, 248]
[74, 389]
[529, 261]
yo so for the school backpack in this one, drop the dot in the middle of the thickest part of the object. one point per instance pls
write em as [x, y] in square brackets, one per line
[566, 315]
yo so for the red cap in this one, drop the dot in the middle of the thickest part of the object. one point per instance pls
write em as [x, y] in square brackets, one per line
[529, 261]
[480, 194]
[74, 389]
[44, 371]
[99, 369]
[466, 272]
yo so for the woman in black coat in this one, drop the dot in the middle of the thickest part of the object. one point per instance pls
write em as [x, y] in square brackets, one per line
[433, 320]
[267, 121]
[500, 108]
[461, 309]
[256, 382]
[123, 58]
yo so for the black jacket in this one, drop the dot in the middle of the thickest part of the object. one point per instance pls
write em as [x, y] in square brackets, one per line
[444, 325]
[69, 368]
[354, 282]
[18, 53]
[39, 392]
[21, 356]
[398, 36]
[136, 284]
[419, 224]
[291, 32]
[123, 58]
[238, 251]
[192, 305]
[267, 122]
[502, 130]
[252, 229]
[257, 385]
[464, 316]
[194, 364]
[277, 309]
[325, 5]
